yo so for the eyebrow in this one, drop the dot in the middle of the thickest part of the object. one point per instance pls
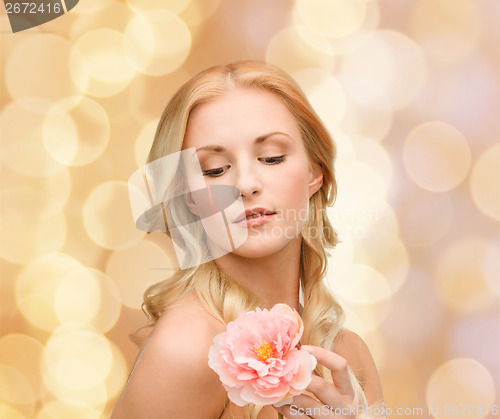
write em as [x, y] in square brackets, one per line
[258, 140]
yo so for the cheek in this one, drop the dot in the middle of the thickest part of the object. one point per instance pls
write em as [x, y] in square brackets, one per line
[292, 186]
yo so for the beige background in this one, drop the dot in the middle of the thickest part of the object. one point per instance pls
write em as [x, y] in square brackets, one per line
[410, 91]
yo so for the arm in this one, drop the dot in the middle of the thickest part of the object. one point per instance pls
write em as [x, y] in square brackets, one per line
[171, 378]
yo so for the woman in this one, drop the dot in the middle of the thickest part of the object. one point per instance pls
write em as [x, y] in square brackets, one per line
[253, 129]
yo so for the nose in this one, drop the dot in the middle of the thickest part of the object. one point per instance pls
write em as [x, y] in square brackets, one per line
[248, 180]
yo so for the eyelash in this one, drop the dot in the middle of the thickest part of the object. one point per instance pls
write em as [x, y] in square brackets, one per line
[268, 160]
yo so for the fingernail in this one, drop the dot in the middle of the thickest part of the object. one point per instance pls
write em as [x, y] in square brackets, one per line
[307, 348]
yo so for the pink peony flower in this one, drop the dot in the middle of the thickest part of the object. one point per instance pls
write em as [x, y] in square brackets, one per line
[257, 358]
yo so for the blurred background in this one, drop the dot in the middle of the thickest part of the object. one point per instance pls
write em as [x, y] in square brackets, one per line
[410, 90]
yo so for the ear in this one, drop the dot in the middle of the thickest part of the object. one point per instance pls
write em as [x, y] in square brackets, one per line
[315, 180]
[188, 199]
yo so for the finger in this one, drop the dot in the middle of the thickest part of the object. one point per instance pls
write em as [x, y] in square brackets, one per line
[292, 411]
[336, 364]
[310, 407]
[327, 393]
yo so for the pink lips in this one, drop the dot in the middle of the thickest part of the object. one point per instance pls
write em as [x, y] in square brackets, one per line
[254, 217]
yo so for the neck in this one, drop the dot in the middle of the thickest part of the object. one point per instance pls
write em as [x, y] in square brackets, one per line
[273, 279]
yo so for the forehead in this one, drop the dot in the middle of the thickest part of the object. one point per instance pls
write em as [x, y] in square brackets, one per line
[240, 114]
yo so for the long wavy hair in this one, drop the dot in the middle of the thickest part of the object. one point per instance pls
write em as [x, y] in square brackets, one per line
[221, 295]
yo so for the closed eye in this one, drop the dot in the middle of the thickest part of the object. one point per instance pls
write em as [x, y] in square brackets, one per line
[273, 160]
[219, 171]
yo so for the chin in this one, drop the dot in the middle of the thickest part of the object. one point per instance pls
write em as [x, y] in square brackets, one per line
[264, 242]
[254, 248]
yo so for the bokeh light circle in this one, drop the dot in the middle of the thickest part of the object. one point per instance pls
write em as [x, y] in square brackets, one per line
[448, 32]
[29, 202]
[95, 396]
[14, 386]
[109, 310]
[369, 111]
[460, 382]
[69, 408]
[386, 253]
[297, 47]
[477, 337]
[361, 200]
[370, 23]
[77, 358]
[157, 42]
[325, 94]
[356, 213]
[199, 11]
[391, 60]
[491, 265]
[87, 296]
[15, 114]
[366, 318]
[329, 101]
[144, 141]
[414, 332]
[36, 286]
[375, 155]
[23, 353]
[30, 158]
[355, 176]
[485, 182]
[108, 217]
[117, 376]
[342, 257]
[59, 135]
[382, 217]
[399, 365]
[76, 133]
[87, 22]
[436, 156]
[31, 238]
[425, 217]
[77, 297]
[346, 150]
[147, 95]
[174, 6]
[29, 70]
[309, 79]
[89, 7]
[136, 268]
[9, 43]
[7, 411]
[108, 70]
[360, 284]
[22, 149]
[332, 18]
[459, 276]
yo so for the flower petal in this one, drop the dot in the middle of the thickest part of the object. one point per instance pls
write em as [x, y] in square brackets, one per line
[249, 379]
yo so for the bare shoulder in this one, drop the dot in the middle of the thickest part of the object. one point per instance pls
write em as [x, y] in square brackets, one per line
[187, 319]
[353, 348]
[171, 377]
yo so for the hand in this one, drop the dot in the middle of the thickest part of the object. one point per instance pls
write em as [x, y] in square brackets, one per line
[333, 400]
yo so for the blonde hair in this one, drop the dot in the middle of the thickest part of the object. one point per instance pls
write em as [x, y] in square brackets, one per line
[222, 296]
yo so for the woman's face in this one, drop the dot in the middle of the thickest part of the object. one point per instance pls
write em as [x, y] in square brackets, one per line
[248, 139]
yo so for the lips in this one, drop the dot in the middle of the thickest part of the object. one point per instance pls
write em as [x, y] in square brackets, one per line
[253, 213]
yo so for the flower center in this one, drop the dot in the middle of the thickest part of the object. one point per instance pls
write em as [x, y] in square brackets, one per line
[263, 351]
